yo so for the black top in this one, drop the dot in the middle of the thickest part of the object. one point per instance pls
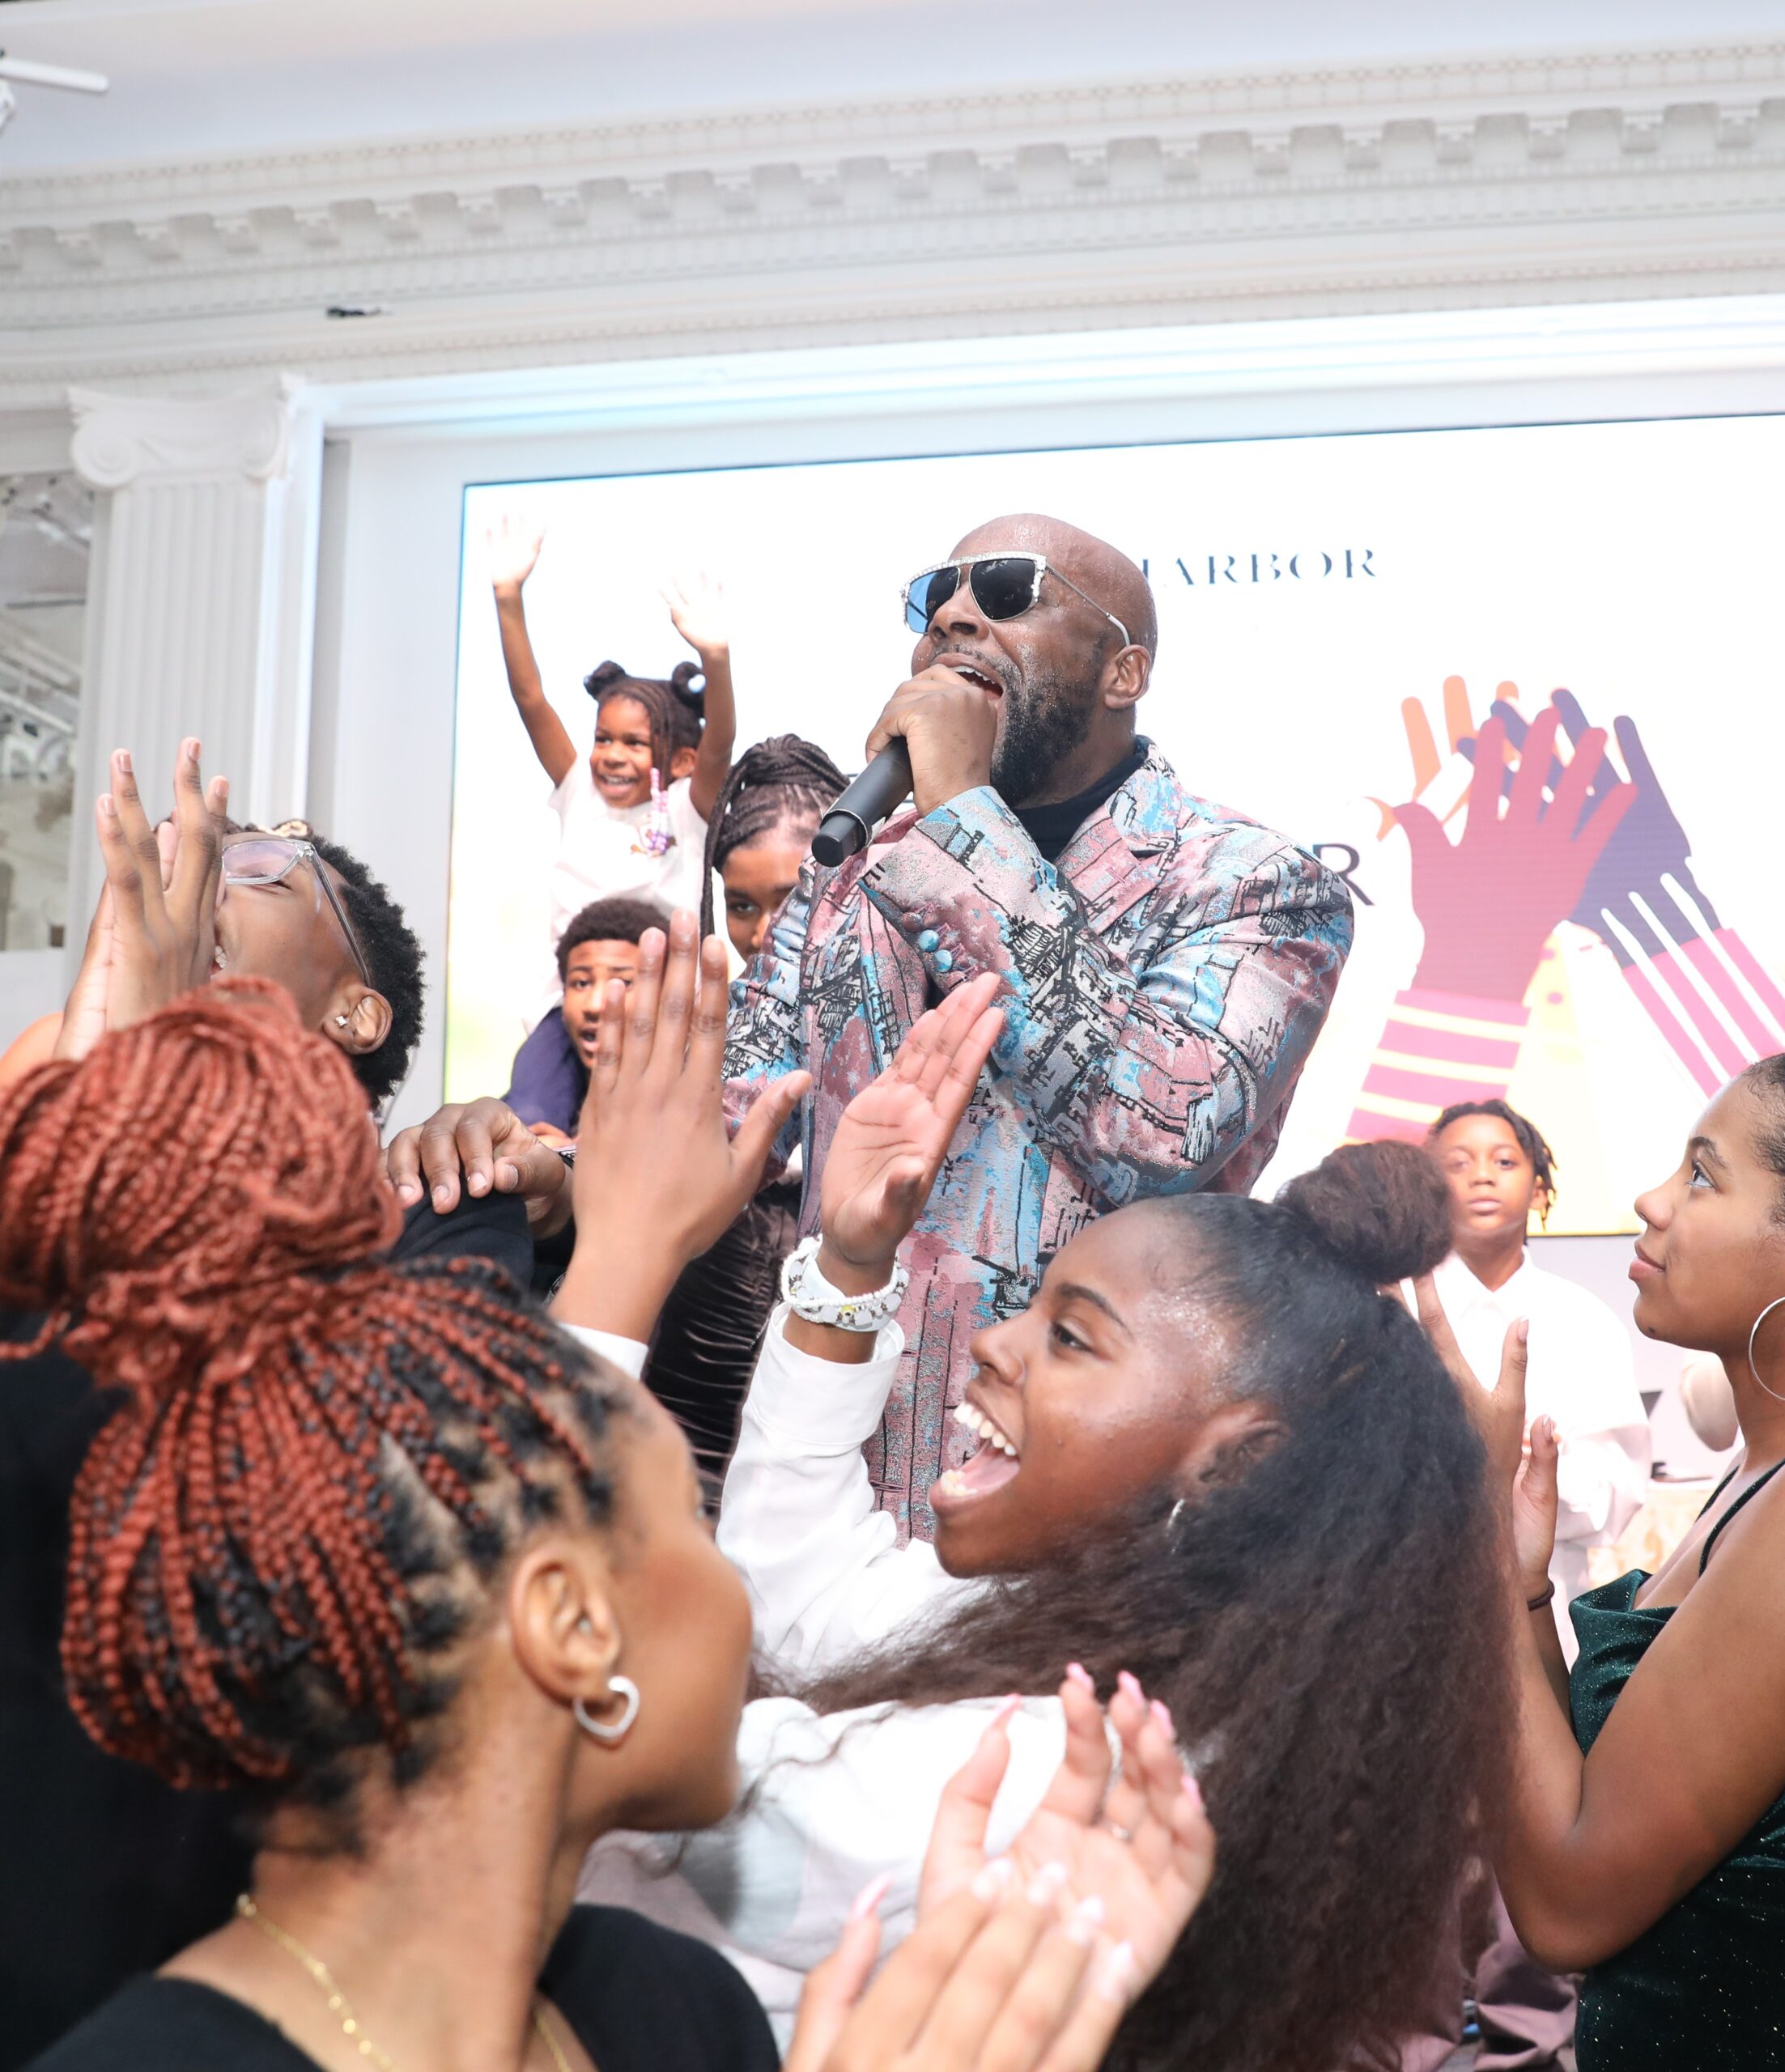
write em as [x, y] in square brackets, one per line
[641, 1998]
[104, 1869]
[1699, 1990]
[1051, 828]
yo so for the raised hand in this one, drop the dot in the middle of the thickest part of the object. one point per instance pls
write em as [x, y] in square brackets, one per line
[892, 1138]
[697, 610]
[657, 1179]
[1490, 901]
[155, 926]
[1522, 1472]
[513, 551]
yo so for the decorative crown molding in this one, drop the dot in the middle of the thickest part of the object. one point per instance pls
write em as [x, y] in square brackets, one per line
[1559, 176]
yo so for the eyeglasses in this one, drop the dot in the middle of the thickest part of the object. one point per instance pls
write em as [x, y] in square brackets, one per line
[269, 859]
[1004, 586]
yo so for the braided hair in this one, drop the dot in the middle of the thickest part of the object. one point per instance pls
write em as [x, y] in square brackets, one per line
[319, 1458]
[674, 707]
[781, 783]
[1531, 1140]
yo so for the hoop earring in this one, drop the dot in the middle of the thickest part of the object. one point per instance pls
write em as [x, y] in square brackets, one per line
[1752, 1335]
[621, 1687]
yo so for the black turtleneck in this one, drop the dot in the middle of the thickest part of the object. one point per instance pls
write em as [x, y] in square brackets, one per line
[1051, 828]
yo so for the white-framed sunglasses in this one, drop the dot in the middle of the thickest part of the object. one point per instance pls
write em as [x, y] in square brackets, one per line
[1004, 586]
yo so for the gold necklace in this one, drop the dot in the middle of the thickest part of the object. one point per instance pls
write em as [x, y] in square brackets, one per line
[323, 1979]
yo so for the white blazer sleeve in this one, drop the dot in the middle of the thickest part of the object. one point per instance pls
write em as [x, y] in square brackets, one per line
[822, 1565]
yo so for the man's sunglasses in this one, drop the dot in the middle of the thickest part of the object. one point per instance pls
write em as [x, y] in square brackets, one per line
[1004, 586]
[270, 859]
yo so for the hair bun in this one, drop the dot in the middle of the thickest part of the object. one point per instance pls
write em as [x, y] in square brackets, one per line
[168, 1198]
[603, 677]
[1383, 1209]
[682, 682]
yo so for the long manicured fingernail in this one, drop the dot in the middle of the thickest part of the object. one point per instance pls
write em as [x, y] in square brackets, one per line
[867, 1901]
[1047, 1884]
[1192, 1791]
[1131, 1685]
[1163, 1716]
[1081, 1675]
[1002, 1716]
[1085, 1919]
[993, 1879]
[1116, 1974]
[123, 761]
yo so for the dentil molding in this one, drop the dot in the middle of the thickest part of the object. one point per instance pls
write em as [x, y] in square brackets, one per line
[1566, 177]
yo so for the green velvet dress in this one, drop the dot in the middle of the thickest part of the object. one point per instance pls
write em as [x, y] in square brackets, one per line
[1703, 1990]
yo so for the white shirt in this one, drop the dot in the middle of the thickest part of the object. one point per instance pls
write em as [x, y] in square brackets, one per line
[830, 1800]
[601, 855]
[1580, 1371]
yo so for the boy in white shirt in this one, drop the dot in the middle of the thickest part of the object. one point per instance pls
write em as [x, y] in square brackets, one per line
[1500, 1170]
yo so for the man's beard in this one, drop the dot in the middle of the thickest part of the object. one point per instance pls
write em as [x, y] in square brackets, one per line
[1044, 724]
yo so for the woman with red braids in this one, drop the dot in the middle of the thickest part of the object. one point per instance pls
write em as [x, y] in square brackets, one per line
[392, 1556]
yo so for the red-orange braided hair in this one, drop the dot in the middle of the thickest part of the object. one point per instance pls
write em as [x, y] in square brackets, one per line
[307, 1437]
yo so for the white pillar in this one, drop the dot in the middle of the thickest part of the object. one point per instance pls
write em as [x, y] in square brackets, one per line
[201, 603]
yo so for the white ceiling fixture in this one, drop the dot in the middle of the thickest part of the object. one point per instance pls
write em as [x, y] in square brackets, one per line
[68, 77]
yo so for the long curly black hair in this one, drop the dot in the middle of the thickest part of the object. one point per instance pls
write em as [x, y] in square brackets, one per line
[1328, 1631]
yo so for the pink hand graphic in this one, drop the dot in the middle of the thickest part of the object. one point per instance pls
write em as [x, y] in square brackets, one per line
[1490, 901]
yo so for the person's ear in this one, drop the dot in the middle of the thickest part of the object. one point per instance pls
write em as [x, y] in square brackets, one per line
[1228, 1445]
[1125, 678]
[682, 764]
[358, 1019]
[561, 1622]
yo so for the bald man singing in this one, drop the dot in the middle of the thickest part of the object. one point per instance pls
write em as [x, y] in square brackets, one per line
[1165, 964]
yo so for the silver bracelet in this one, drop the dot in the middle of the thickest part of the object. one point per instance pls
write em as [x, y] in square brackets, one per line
[813, 1297]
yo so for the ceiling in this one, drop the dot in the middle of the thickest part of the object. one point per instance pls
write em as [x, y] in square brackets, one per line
[205, 77]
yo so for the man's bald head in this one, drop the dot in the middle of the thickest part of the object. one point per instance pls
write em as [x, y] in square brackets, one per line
[1100, 571]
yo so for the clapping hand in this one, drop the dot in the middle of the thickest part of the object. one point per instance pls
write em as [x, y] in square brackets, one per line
[1026, 1963]
[697, 610]
[892, 1138]
[657, 1179]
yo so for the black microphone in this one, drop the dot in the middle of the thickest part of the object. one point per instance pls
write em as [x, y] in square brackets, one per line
[849, 827]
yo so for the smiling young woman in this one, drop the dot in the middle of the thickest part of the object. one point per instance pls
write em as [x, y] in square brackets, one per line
[1645, 1842]
[1214, 1460]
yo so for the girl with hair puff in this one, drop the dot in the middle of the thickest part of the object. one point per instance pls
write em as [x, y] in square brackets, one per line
[1212, 1455]
[632, 813]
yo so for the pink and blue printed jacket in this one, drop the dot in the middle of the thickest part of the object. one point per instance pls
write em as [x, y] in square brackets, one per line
[1163, 984]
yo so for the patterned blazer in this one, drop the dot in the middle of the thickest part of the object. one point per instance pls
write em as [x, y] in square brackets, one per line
[1163, 984]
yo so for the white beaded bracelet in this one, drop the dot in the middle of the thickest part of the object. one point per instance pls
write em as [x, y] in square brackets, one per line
[814, 1298]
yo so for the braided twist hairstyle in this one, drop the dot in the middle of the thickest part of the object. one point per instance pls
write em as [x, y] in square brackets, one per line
[675, 707]
[783, 783]
[1531, 1141]
[274, 1541]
